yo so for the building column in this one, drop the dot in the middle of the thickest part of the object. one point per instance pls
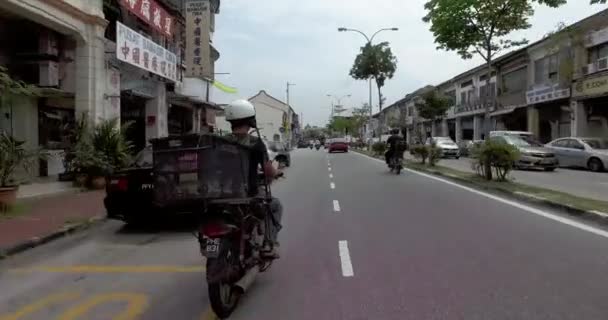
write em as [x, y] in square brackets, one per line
[458, 129]
[477, 126]
[91, 75]
[433, 128]
[578, 119]
[158, 109]
[445, 129]
[533, 121]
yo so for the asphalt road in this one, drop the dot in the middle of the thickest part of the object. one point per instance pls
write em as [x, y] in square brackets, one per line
[579, 182]
[358, 243]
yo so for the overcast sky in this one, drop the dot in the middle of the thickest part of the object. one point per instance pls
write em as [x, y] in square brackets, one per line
[264, 44]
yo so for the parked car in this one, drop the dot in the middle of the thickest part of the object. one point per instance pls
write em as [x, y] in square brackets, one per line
[338, 145]
[302, 144]
[447, 146]
[521, 134]
[532, 154]
[280, 153]
[466, 147]
[590, 153]
[130, 192]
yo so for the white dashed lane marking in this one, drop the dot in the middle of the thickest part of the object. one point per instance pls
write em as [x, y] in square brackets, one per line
[347, 266]
[336, 206]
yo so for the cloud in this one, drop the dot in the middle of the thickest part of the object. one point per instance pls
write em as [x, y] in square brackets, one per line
[264, 44]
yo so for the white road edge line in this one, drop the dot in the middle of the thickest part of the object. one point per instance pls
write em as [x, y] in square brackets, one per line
[336, 206]
[329, 169]
[521, 206]
[347, 266]
[331, 176]
[332, 185]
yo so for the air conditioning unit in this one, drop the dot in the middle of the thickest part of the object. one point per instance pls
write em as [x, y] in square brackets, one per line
[589, 69]
[602, 64]
[49, 74]
[48, 43]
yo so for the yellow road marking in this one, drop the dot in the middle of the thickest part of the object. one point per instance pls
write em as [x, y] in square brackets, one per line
[136, 305]
[111, 269]
[209, 315]
[40, 304]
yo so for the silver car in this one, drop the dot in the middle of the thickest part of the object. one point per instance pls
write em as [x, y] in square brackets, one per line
[532, 153]
[591, 153]
[447, 146]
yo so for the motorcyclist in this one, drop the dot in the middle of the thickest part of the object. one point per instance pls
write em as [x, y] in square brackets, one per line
[241, 115]
[393, 142]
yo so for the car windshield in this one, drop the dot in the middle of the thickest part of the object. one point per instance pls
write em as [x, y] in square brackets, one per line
[518, 141]
[601, 144]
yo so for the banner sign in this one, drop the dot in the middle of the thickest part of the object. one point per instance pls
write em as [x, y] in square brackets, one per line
[137, 50]
[152, 13]
[198, 51]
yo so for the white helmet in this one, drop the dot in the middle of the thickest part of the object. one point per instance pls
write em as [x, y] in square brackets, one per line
[239, 109]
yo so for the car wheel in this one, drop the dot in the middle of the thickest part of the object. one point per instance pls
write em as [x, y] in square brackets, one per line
[457, 157]
[595, 165]
[549, 169]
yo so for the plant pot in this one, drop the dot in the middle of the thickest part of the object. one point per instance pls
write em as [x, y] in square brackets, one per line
[98, 183]
[81, 180]
[8, 197]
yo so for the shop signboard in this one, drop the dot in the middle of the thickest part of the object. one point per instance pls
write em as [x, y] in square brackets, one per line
[198, 50]
[589, 87]
[135, 49]
[152, 13]
[546, 94]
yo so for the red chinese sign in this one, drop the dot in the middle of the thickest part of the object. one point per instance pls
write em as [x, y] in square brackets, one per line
[152, 13]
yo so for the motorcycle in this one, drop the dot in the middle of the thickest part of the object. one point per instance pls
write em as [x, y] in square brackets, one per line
[232, 238]
[395, 164]
[318, 146]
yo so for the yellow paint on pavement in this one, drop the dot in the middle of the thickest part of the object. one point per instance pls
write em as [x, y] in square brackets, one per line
[40, 304]
[111, 269]
[136, 305]
[209, 315]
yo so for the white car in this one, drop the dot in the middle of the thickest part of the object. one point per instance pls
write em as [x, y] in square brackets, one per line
[448, 147]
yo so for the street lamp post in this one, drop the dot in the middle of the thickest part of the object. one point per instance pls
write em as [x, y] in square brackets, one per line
[369, 42]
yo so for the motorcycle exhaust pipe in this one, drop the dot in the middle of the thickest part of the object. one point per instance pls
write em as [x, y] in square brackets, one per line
[246, 281]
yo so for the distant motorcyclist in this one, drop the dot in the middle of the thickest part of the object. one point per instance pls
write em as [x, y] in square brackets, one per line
[241, 115]
[394, 142]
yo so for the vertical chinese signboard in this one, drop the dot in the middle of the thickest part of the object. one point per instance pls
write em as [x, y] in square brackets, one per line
[137, 50]
[198, 55]
[152, 13]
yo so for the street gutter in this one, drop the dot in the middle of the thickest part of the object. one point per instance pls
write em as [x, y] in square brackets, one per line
[66, 230]
[465, 178]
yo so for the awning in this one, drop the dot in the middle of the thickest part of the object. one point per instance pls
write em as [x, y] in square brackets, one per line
[506, 110]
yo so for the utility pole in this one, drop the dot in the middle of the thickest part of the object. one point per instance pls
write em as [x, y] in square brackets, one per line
[289, 85]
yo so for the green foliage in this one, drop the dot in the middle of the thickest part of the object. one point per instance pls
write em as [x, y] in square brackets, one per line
[100, 150]
[420, 152]
[14, 155]
[433, 106]
[10, 86]
[341, 125]
[110, 140]
[375, 61]
[497, 156]
[434, 154]
[480, 26]
[379, 148]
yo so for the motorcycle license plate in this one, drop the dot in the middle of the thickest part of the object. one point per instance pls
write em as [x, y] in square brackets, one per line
[211, 248]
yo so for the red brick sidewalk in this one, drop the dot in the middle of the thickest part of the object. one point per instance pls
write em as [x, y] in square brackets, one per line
[45, 216]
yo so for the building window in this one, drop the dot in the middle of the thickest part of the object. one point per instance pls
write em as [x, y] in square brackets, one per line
[514, 81]
[410, 111]
[598, 52]
[467, 83]
[546, 70]
[484, 76]
[463, 97]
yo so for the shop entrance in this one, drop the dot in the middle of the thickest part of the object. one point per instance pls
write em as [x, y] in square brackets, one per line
[133, 110]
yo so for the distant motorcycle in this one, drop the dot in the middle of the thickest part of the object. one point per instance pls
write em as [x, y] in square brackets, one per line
[311, 146]
[318, 146]
[395, 164]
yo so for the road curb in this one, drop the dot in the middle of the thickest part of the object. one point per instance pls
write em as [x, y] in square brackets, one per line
[61, 232]
[591, 215]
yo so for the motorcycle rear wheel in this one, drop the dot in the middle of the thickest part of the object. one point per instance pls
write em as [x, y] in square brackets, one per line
[222, 294]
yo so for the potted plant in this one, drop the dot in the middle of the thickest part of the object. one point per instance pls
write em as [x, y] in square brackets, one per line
[13, 155]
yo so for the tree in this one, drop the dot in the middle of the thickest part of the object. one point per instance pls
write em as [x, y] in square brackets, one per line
[375, 61]
[341, 125]
[433, 106]
[481, 27]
